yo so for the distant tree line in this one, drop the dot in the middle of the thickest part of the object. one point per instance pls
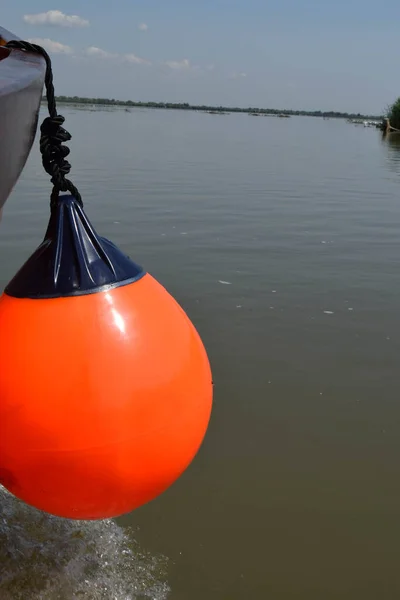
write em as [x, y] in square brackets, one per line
[205, 108]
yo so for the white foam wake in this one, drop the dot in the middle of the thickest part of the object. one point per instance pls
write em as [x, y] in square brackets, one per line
[47, 558]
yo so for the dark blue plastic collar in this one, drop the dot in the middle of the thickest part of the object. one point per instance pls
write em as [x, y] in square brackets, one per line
[72, 260]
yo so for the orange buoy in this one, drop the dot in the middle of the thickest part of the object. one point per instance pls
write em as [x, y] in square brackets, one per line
[105, 385]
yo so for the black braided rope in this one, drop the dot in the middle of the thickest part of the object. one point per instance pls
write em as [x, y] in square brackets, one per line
[53, 135]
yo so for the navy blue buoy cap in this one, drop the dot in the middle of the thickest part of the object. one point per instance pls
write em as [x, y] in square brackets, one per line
[73, 259]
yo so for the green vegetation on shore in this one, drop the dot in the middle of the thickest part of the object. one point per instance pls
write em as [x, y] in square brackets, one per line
[222, 109]
[393, 114]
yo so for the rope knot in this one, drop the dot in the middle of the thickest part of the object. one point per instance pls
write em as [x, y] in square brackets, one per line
[53, 135]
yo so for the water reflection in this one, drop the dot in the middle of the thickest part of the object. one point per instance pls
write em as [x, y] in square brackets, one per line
[47, 558]
[391, 142]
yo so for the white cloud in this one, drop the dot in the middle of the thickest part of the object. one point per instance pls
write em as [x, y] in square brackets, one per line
[56, 18]
[143, 27]
[132, 58]
[178, 64]
[99, 53]
[96, 52]
[238, 75]
[51, 45]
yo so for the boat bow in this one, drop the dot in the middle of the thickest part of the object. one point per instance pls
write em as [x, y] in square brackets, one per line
[21, 86]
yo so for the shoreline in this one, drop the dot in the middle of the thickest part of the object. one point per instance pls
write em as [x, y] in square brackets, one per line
[94, 102]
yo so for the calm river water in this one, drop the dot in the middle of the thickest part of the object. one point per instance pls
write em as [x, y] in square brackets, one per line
[281, 240]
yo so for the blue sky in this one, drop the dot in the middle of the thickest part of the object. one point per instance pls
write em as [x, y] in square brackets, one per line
[304, 54]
